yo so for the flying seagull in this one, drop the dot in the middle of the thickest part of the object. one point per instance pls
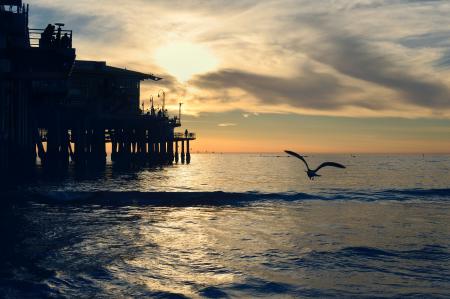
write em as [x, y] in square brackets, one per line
[313, 173]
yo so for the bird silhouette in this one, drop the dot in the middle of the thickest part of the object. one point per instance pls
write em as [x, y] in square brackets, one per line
[313, 172]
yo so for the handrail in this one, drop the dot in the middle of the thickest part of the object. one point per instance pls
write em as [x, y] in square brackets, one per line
[11, 2]
[41, 30]
[181, 135]
[36, 37]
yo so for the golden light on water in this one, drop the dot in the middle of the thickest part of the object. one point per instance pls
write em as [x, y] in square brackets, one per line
[184, 59]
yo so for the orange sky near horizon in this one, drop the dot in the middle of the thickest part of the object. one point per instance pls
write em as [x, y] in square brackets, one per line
[240, 145]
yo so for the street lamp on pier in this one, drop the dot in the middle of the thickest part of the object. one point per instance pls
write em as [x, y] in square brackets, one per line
[163, 95]
[179, 113]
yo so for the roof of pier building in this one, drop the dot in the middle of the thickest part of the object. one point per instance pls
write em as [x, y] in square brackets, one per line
[101, 68]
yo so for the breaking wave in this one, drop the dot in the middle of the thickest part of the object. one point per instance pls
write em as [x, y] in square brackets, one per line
[221, 198]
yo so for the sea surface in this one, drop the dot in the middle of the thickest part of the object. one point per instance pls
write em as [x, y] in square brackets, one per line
[232, 226]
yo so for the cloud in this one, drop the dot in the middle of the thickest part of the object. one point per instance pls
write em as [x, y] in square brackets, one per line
[354, 58]
[227, 125]
[439, 39]
[386, 3]
[346, 70]
[312, 90]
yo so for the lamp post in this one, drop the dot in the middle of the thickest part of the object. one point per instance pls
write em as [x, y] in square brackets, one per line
[163, 100]
[179, 113]
[152, 108]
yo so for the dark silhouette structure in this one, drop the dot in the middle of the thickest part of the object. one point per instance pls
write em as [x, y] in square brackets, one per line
[313, 173]
[61, 109]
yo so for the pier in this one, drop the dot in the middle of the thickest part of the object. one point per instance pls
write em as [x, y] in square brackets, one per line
[63, 110]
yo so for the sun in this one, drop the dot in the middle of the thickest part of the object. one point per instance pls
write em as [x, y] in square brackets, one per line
[185, 59]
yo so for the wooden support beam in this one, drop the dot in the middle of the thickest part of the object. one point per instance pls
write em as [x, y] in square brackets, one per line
[176, 152]
[182, 151]
[188, 152]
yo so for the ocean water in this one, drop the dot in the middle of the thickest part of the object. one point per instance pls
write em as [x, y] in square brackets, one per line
[232, 226]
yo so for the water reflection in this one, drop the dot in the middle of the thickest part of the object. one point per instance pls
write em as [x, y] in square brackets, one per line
[259, 173]
[347, 235]
[297, 248]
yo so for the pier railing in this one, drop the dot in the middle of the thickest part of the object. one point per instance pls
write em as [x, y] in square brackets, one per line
[183, 136]
[36, 35]
[176, 136]
[173, 121]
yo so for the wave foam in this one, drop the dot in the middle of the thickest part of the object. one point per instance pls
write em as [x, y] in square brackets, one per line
[221, 198]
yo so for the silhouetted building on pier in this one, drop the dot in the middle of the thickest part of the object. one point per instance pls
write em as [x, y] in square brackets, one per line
[68, 110]
[103, 89]
[30, 76]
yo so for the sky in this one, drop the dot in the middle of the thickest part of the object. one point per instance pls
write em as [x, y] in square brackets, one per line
[346, 76]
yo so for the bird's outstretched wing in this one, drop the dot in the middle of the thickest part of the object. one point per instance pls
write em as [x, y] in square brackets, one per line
[297, 156]
[333, 164]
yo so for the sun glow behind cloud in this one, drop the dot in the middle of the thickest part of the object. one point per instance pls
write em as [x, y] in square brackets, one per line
[184, 59]
[304, 57]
